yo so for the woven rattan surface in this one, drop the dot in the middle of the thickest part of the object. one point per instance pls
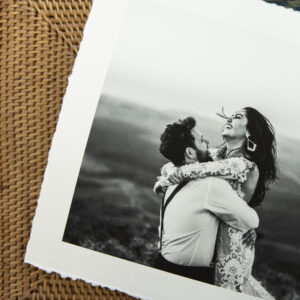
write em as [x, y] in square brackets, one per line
[39, 42]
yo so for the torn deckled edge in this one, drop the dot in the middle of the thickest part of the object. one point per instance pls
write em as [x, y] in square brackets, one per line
[45, 248]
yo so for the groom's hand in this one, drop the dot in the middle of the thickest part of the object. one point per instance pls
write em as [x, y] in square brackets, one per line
[249, 238]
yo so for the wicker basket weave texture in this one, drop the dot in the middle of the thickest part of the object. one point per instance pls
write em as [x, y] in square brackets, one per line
[38, 46]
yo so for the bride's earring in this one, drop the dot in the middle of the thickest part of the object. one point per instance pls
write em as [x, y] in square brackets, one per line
[251, 146]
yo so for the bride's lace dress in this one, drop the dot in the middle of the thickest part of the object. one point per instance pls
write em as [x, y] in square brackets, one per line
[234, 261]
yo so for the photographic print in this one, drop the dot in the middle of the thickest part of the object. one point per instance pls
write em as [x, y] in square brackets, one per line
[191, 163]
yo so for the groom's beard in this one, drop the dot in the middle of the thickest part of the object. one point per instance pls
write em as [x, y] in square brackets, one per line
[203, 156]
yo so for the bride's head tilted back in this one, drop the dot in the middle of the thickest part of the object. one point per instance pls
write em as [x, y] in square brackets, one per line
[257, 135]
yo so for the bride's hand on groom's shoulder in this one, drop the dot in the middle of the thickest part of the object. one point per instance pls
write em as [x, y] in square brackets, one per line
[170, 172]
[159, 188]
[173, 177]
[249, 238]
[167, 169]
[169, 176]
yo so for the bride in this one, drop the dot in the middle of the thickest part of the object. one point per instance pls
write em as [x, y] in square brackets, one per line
[248, 161]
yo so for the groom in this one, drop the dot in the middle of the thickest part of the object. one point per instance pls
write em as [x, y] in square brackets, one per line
[191, 211]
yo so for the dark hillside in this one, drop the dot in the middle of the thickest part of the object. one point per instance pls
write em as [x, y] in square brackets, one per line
[115, 211]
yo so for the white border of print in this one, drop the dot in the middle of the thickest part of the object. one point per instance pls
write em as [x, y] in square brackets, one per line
[45, 248]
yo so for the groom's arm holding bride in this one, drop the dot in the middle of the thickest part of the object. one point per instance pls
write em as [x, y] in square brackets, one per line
[222, 201]
[235, 169]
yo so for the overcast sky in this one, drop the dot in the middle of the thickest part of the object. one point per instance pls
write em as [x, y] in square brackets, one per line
[170, 59]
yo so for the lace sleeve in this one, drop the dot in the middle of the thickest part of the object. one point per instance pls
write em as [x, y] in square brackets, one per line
[167, 169]
[162, 182]
[234, 168]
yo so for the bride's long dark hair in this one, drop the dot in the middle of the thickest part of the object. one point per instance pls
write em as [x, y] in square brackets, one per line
[262, 134]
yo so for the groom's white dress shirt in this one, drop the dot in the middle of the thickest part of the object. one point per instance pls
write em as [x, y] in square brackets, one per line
[191, 220]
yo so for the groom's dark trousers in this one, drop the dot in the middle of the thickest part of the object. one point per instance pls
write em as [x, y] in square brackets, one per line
[204, 274]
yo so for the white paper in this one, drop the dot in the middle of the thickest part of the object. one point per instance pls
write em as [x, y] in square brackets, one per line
[45, 249]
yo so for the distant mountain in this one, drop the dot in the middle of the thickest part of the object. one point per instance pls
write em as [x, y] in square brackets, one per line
[154, 123]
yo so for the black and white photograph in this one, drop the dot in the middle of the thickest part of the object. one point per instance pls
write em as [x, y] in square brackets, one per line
[192, 164]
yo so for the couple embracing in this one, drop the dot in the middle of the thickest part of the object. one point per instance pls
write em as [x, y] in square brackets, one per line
[207, 219]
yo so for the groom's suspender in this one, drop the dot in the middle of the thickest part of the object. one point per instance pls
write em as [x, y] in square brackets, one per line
[164, 206]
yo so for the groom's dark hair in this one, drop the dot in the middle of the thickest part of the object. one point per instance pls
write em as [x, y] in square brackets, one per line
[176, 138]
